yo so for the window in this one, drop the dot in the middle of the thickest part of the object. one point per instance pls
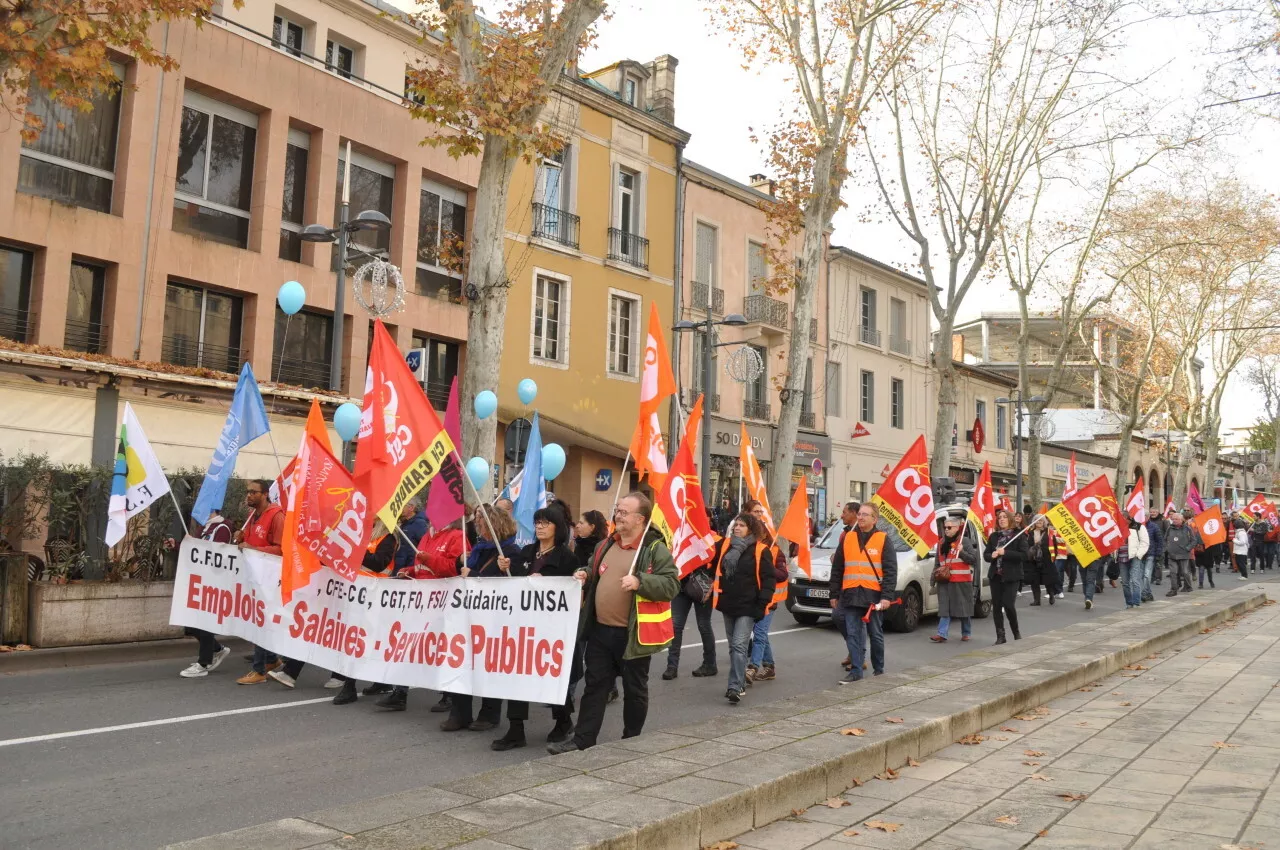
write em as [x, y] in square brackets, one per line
[982, 414]
[858, 491]
[74, 159]
[372, 186]
[15, 294]
[897, 403]
[442, 231]
[295, 195]
[300, 350]
[756, 393]
[704, 256]
[215, 170]
[629, 91]
[898, 340]
[341, 59]
[699, 342]
[867, 408]
[550, 319]
[757, 269]
[552, 187]
[441, 367]
[84, 331]
[287, 35]
[1002, 427]
[628, 201]
[868, 331]
[622, 334]
[833, 389]
[201, 328]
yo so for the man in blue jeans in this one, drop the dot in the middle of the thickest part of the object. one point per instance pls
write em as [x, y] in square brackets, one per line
[864, 575]
[1155, 552]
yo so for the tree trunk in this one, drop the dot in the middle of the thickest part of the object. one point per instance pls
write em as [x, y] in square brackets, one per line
[1275, 456]
[1186, 452]
[1211, 457]
[487, 313]
[940, 454]
[1122, 462]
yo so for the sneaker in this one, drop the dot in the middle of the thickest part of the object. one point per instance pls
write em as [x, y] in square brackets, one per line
[377, 688]
[850, 679]
[561, 747]
[669, 674]
[733, 696]
[706, 670]
[253, 677]
[195, 671]
[751, 674]
[284, 678]
[1061, 595]
[333, 684]
[1088, 603]
[218, 658]
[766, 673]
[1242, 578]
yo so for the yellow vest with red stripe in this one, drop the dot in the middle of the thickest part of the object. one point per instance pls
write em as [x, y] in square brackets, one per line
[862, 567]
[958, 571]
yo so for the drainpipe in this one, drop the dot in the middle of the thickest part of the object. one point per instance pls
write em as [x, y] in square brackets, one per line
[151, 194]
[677, 296]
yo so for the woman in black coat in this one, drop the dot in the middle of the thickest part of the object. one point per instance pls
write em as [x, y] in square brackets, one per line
[588, 532]
[1008, 554]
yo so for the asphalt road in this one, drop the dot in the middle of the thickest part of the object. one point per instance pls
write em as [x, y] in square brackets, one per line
[212, 756]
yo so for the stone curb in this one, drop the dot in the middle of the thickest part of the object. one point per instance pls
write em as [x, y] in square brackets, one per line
[59, 657]
[692, 786]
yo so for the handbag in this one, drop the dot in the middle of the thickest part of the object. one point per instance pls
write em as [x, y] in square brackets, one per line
[941, 574]
[698, 586]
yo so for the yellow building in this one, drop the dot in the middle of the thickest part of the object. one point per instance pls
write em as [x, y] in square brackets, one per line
[591, 245]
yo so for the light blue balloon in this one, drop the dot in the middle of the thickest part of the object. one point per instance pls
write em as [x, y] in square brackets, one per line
[486, 403]
[291, 297]
[527, 390]
[478, 472]
[346, 421]
[552, 461]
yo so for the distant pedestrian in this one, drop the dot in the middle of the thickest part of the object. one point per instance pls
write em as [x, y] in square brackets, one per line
[1240, 551]
[1155, 555]
[1041, 566]
[212, 653]
[1179, 546]
[1132, 569]
[762, 667]
[957, 561]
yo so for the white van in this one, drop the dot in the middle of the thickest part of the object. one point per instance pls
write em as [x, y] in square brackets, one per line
[809, 597]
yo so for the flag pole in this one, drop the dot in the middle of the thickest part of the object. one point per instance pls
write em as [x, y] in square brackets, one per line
[493, 534]
[178, 508]
[617, 493]
[636, 557]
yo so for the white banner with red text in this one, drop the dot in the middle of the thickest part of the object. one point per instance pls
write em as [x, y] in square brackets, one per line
[510, 638]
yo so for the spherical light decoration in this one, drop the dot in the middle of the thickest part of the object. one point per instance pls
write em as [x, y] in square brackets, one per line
[378, 287]
[745, 365]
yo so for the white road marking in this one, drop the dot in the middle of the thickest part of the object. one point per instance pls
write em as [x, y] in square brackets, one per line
[684, 646]
[36, 739]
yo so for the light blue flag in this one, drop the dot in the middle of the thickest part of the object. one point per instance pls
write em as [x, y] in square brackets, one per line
[533, 489]
[246, 422]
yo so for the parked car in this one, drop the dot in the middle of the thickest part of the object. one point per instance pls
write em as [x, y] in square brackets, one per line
[809, 597]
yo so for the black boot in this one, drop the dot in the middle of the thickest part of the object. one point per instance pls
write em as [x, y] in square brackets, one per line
[377, 688]
[397, 700]
[561, 731]
[441, 706]
[347, 694]
[514, 738]
[1173, 591]
[670, 673]
[1000, 637]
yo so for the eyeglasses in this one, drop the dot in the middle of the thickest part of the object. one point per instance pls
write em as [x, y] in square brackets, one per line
[617, 512]
[543, 522]
[253, 492]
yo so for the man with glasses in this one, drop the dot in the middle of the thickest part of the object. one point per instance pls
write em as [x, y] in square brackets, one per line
[864, 576]
[630, 568]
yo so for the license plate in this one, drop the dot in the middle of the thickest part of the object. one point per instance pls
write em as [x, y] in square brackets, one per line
[819, 593]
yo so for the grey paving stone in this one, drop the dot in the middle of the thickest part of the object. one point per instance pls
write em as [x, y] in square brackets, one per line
[1203, 820]
[932, 769]
[1179, 751]
[1235, 761]
[1060, 837]
[563, 832]
[754, 739]
[910, 834]
[989, 776]
[478, 844]
[284, 834]
[578, 791]
[655, 742]
[506, 812]
[1099, 816]
[695, 790]
[1091, 763]
[966, 834]
[1105, 747]
[917, 806]
[793, 729]
[1236, 800]
[646, 771]
[605, 755]
[709, 753]
[859, 808]
[1260, 836]
[898, 789]
[755, 769]
[960, 792]
[1151, 765]
[432, 832]
[1222, 780]
[1030, 816]
[638, 810]
[393, 808]
[1143, 780]
[505, 780]
[787, 835]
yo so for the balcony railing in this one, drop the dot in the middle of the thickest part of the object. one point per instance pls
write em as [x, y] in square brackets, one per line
[628, 248]
[766, 310]
[710, 402]
[807, 419]
[900, 345]
[16, 324]
[700, 298]
[181, 351]
[870, 336]
[438, 394]
[555, 225]
[758, 410]
[89, 337]
[302, 373]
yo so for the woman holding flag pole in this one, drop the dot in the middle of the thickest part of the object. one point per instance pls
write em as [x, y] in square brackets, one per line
[1007, 552]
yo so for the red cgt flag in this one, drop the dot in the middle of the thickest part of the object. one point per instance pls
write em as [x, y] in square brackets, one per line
[1136, 507]
[982, 508]
[679, 500]
[1089, 522]
[402, 444]
[795, 527]
[905, 499]
[331, 513]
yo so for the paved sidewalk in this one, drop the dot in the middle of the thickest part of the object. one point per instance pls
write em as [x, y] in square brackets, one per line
[1176, 751]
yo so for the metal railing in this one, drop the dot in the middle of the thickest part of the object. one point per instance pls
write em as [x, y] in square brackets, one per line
[870, 336]
[628, 248]
[700, 291]
[438, 394]
[766, 310]
[302, 373]
[181, 351]
[900, 345]
[807, 419]
[710, 401]
[16, 324]
[89, 337]
[555, 225]
[758, 410]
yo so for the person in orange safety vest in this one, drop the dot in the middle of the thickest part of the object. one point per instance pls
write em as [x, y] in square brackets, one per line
[864, 578]
[744, 585]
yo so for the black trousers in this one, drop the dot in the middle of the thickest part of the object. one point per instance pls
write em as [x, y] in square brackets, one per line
[1050, 585]
[603, 664]
[565, 712]
[208, 644]
[1003, 596]
[680, 607]
[460, 708]
[293, 667]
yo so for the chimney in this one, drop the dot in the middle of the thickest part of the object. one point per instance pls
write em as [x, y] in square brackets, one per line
[662, 87]
[763, 184]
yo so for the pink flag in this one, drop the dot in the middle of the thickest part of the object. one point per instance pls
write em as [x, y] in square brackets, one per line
[1193, 499]
[445, 500]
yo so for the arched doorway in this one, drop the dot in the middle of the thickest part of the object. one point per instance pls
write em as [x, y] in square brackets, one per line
[1168, 489]
[1155, 497]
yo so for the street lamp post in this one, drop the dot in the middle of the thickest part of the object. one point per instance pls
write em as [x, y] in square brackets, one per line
[707, 326]
[365, 220]
[1016, 399]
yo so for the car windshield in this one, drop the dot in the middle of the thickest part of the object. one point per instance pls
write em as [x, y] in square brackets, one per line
[829, 540]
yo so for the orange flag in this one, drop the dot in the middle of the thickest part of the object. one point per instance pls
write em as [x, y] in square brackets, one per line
[402, 442]
[982, 508]
[298, 564]
[680, 505]
[752, 477]
[795, 527]
[657, 384]
[905, 500]
[1209, 524]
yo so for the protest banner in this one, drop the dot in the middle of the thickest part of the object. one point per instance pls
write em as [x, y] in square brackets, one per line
[905, 500]
[509, 638]
[1089, 522]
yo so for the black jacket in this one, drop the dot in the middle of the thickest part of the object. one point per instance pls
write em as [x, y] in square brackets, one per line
[561, 561]
[381, 557]
[1039, 568]
[861, 597]
[583, 547]
[748, 592]
[1017, 557]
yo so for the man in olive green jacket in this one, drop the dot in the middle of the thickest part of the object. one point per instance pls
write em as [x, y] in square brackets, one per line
[614, 645]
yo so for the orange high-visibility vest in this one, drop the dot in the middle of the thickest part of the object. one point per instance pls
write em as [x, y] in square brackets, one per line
[959, 571]
[779, 589]
[761, 549]
[862, 567]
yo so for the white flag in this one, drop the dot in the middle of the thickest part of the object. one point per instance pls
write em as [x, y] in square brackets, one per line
[138, 480]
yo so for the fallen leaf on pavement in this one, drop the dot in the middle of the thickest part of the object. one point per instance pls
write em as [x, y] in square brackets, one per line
[883, 826]
[835, 802]
[1011, 820]
[1001, 737]
[858, 783]
[853, 731]
[850, 832]
[797, 812]
[1125, 704]
[1035, 754]
[888, 776]
[1087, 690]
[1074, 798]
[1032, 763]
[1008, 729]
[972, 740]
[1223, 745]
[1042, 833]
[893, 720]
[1041, 777]
[722, 845]
[912, 762]
[1204, 656]
[1134, 667]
